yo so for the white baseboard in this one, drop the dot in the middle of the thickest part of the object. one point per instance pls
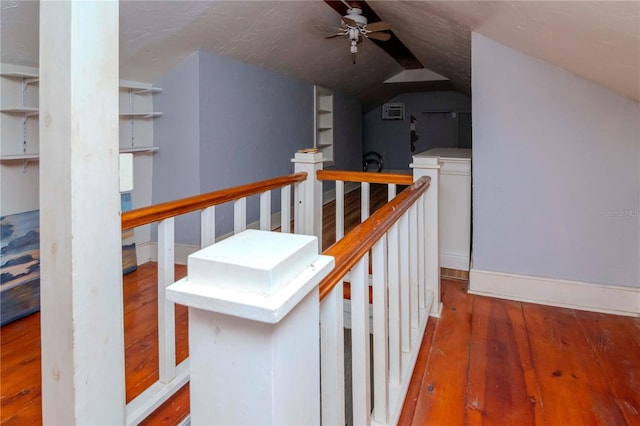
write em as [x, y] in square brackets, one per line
[618, 300]
[454, 259]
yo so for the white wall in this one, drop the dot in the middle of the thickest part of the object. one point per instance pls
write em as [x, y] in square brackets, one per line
[556, 184]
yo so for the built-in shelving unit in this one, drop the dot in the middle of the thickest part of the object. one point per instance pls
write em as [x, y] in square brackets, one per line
[323, 121]
[19, 115]
[136, 116]
[18, 109]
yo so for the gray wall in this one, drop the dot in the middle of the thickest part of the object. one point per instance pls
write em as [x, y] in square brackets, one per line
[347, 132]
[227, 123]
[252, 122]
[435, 129]
[176, 165]
[555, 171]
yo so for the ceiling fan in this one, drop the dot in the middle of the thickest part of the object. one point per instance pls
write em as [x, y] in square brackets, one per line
[355, 26]
[356, 13]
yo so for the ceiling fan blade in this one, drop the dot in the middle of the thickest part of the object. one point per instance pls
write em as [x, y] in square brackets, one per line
[350, 22]
[335, 35]
[328, 28]
[379, 36]
[378, 26]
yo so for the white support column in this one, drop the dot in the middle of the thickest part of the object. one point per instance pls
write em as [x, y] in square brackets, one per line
[308, 211]
[254, 329]
[80, 247]
[430, 166]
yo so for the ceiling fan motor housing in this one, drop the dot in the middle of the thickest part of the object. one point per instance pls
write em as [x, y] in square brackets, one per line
[355, 14]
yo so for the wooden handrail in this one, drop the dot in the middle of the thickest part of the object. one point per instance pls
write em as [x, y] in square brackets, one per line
[348, 176]
[146, 215]
[361, 239]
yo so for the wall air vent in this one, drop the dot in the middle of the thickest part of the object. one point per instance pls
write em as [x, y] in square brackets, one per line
[393, 112]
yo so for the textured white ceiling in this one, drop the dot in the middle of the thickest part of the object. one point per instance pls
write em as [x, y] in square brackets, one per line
[598, 40]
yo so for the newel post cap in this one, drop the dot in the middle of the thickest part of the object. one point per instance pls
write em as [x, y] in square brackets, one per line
[308, 157]
[259, 275]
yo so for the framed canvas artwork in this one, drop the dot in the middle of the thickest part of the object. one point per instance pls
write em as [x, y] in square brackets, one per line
[19, 265]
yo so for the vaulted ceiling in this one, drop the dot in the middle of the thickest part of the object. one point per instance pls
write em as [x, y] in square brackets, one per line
[597, 40]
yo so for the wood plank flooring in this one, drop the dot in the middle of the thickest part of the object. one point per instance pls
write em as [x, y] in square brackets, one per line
[20, 394]
[498, 362]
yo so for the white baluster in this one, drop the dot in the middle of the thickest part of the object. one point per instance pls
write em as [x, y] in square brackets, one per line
[207, 226]
[240, 215]
[339, 210]
[166, 309]
[380, 332]
[395, 355]
[391, 191]
[332, 357]
[405, 324]
[361, 379]
[285, 209]
[421, 255]
[413, 265]
[265, 211]
[364, 201]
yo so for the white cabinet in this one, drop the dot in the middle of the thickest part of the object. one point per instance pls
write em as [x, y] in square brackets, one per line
[323, 121]
[455, 206]
[19, 124]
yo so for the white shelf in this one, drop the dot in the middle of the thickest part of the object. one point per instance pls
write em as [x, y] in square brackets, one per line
[139, 86]
[141, 114]
[21, 110]
[17, 74]
[138, 149]
[37, 156]
[19, 157]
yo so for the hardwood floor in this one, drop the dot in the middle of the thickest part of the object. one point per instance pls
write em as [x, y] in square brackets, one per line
[20, 400]
[497, 362]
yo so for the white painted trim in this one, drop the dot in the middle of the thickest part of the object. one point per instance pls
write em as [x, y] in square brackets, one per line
[330, 195]
[609, 299]
[155, 395]
[454, 259]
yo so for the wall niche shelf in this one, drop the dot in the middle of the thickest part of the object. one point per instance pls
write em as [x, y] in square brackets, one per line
[323, 122]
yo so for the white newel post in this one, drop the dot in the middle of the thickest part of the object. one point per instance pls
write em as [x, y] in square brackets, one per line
[80, 233]
[254, 329]
[430, 166]
[308, 205]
